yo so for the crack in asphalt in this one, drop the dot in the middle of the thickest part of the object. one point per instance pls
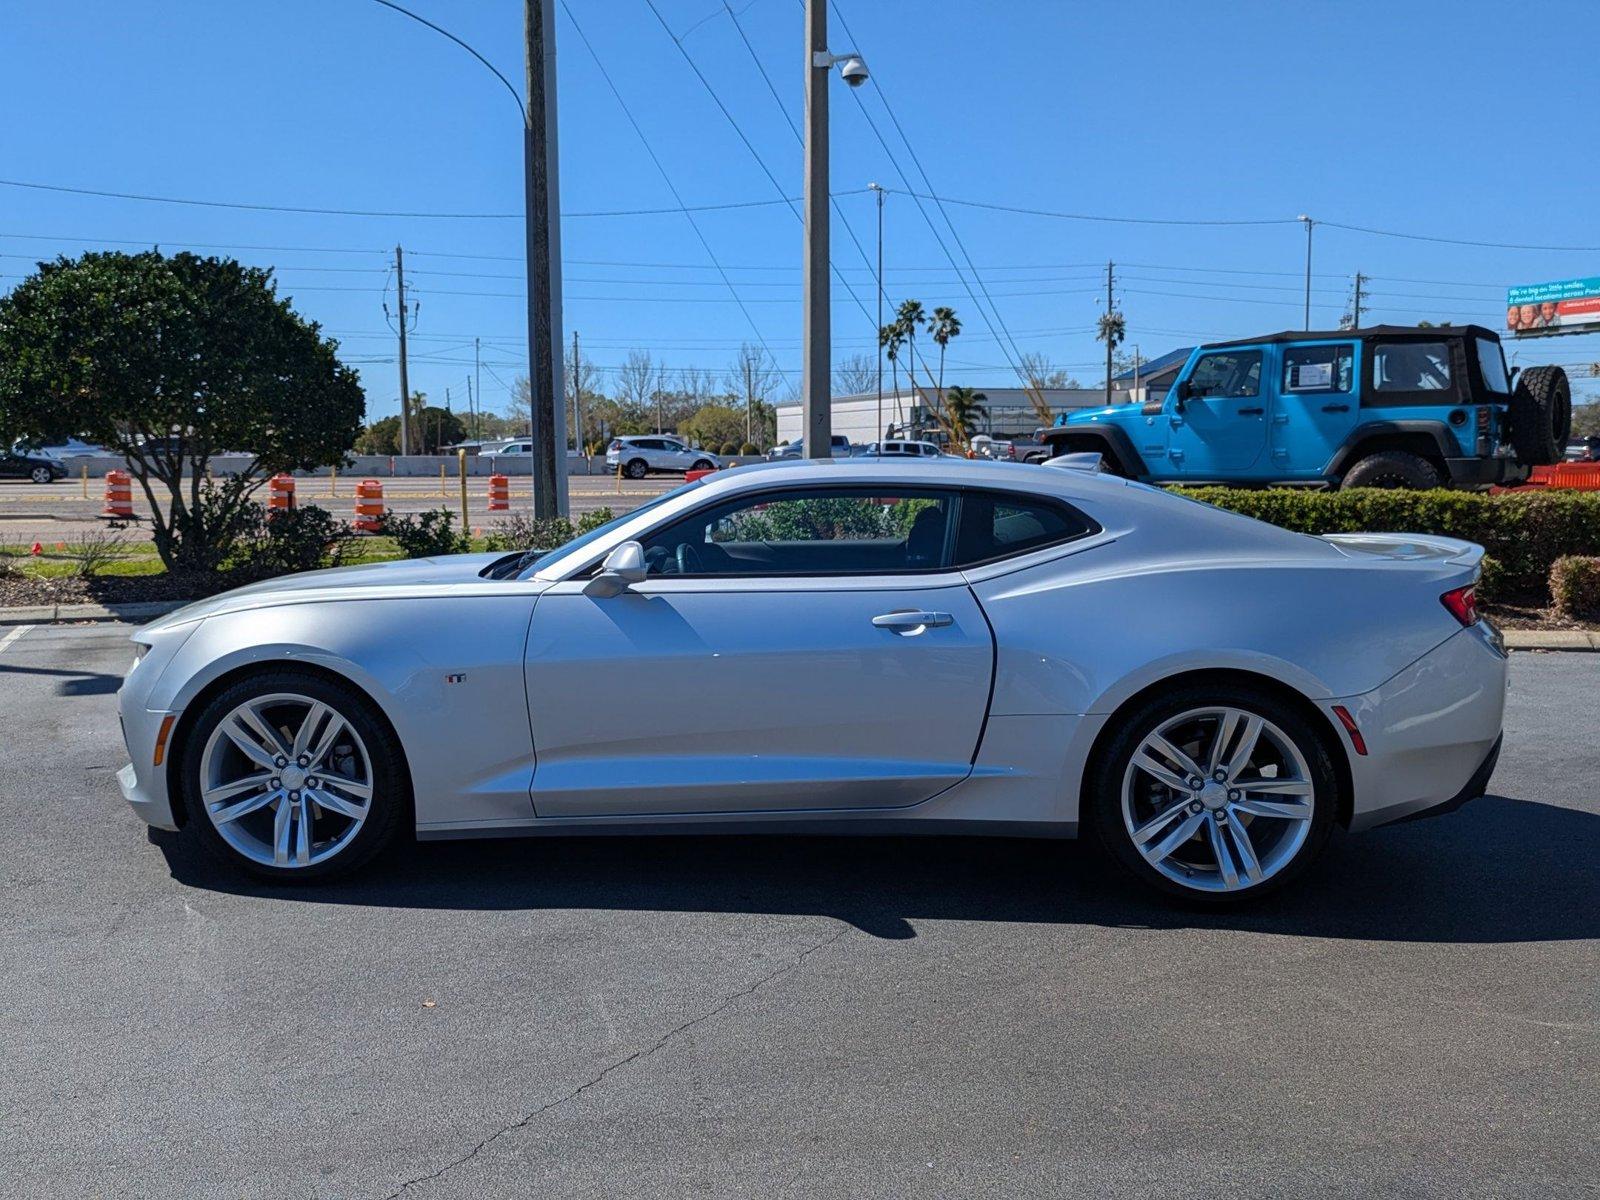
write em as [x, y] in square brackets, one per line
[638, 1055]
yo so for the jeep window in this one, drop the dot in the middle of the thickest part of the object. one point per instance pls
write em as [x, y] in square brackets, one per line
[1227, 373]
[1493, 365]
[1318, 368]
[1411, 367]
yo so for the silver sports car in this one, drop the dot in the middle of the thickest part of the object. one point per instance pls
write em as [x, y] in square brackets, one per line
[854, 646]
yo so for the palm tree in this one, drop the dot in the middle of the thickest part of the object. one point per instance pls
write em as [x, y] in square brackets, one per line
[911, 317]
[891, 337]
[942, 326]
[962, 409]
[1112, 329]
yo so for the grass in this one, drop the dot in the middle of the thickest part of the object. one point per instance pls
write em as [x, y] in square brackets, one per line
[56, 561]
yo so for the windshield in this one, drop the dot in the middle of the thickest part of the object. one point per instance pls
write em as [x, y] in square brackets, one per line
[537, 559]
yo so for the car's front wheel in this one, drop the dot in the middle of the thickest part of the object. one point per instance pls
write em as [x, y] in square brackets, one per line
[1215, 793]
[701, 464]
[293, 776]
[41, 475]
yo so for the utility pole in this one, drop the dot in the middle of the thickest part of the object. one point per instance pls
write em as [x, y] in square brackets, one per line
[1111, 301]
[1355, 311]
[472, 413]
[477, 380]
[405, 383]
[1309, 223]
[877, 429]
[817, 334]
[543, 234]
[749, 400]
[577, 397]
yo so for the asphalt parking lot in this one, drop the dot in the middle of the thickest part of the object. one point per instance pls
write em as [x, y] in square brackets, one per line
[802, 1017]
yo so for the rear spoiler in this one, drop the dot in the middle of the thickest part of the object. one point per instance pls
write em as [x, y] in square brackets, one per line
[1408, 547]
[1079, 460]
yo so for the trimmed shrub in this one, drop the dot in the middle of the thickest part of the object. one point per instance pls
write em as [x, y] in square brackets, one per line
[1525, 532]
[1575, 587]
[1491, 580]
[426, 534]
[749, 448]
[93, 551]
[289, 540]
[728, 450]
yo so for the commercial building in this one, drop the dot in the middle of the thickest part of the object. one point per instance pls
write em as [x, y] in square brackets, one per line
[908, 413]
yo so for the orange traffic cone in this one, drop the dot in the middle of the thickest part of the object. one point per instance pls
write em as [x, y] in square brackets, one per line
[37, 549]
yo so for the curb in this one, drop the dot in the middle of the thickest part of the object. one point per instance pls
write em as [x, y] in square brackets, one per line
[50, 614]
[1552, 639]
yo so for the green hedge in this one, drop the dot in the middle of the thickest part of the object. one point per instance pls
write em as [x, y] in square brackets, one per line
[1523, 532]
[1575, 587]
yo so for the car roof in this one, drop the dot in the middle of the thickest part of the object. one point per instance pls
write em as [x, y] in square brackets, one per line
[1432, 333]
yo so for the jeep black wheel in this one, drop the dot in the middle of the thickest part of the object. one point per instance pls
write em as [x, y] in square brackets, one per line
[1541, 416]
[1393, 469]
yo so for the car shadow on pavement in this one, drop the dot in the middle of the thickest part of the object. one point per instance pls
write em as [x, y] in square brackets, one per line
[74, 683]
[1500, 870]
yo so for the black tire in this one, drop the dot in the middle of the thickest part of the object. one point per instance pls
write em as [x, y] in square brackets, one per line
[637, 468]
[390, 806]
[1101, 806]
[1541, 416]
[1393, 469]
[42, 475]
[701, 464]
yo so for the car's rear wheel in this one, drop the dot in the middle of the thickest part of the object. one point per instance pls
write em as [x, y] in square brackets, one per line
[1217, 794]
[1393, 469]
[293, 776]
[637, 468]
[41, 475]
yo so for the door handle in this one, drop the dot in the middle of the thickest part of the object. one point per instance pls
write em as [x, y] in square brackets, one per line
[1335, 408]
[1251, 412]
[912, 622]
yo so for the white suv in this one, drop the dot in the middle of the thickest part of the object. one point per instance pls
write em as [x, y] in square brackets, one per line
[641, 454]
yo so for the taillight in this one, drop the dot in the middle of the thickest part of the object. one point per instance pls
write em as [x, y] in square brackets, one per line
[616, 444]
[1462, 603]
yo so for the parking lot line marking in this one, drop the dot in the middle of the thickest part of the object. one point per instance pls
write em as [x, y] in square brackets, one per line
[13, 636]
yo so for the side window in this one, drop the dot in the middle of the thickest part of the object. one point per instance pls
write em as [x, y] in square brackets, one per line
[1492, 363]
[1227, 373]
[876, 529]
[998, 525]
[1317, 369]
[1411, 367]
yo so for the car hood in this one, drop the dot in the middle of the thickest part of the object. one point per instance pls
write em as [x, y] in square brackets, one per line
[384, 580]
[1084, 416]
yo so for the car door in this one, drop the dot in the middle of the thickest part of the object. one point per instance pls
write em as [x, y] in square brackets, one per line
[1220, 428]
[797, 649]
[1315, 406]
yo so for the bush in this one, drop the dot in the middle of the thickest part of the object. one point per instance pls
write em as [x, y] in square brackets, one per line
[728, 450]
[1491, 580]
[94, 550]
[595, 519]
[522, 532]
[426, 534]
[1524, 532]
[288, 540]
[1575, 587]
[749, 448]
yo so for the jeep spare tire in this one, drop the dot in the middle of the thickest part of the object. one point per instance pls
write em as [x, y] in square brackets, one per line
[1541, 416]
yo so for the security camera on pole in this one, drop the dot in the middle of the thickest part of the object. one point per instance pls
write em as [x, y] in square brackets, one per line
[817, 334]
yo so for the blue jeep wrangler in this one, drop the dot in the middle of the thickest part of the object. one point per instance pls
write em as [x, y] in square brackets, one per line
[1387, 406]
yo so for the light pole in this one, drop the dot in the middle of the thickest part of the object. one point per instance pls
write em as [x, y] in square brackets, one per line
[878, 428]
[1309, 223]
[547, 408]
[817, 333]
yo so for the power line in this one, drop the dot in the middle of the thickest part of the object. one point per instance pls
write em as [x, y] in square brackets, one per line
[666, 178]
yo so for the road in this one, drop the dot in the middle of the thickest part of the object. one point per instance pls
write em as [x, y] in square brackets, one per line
[57, 512]
[791, 1018]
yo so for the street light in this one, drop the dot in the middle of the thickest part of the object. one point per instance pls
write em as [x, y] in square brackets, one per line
[817, 333]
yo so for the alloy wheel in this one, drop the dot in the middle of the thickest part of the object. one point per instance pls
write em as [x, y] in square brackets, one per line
[1218, 799]
[41, 475]
[286, 780]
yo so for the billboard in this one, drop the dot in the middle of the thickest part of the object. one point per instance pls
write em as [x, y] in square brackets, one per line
[1566, 306]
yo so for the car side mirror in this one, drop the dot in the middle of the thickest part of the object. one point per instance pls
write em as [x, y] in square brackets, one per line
[1182, 392]
[622, 568]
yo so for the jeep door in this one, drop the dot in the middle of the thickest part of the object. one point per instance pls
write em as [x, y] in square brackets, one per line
[1220, 429]
[1316, 406]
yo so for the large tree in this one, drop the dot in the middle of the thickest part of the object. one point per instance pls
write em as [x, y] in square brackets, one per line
[432, 429]
[169, 360]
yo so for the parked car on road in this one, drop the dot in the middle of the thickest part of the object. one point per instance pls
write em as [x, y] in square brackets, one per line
[797, 448]
[22, 462]
[1584, 449]
[984, 446]
[876, 645]
[639, 456]
[1390, 406]
[73, 448]
[898, 449]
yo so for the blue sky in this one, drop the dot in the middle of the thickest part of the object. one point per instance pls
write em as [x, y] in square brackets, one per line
[1461, 120]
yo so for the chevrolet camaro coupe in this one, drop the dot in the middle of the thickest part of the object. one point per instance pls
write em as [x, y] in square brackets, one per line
[845, 646]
